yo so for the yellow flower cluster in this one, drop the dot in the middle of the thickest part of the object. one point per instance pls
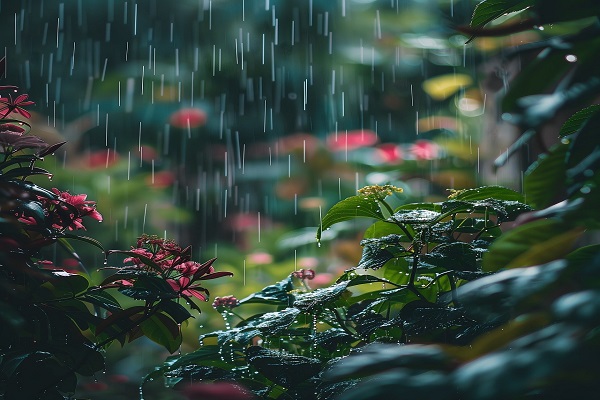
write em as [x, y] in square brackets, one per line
[379, 191]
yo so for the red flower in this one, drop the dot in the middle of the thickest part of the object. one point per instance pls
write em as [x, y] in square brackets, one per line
[8, 105]
[192, 117]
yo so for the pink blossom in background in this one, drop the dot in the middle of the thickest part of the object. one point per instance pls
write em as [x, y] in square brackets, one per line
[424, 150]
[192, 117]
[351, 140]
[260, 258]
[389, 153]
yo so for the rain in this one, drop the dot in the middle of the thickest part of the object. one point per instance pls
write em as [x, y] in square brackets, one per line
[233, 126]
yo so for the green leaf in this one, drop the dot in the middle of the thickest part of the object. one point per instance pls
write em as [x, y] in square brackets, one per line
[103, 299]
[535, 243]
[377, 358]
[275, 323]
[277, 294]
[319, 298]
[377, 252]
[285, 369]
[148, 287]
[452, 256]
[350, 208]
[384, 228]
[545, 178]
[64, 283]
[175, 310]
[85, 239]
[162, 330]
[577, 120]
[487, 192]
[489, 10]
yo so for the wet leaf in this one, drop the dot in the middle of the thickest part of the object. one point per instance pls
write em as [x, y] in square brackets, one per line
[319, 298]
[376, 358]
[283, 368]
[545, 178]
[277, 294]
[277, 322]
[534, 243]
[578, 120]
[489, 10]
[348, 209]
[162, 330]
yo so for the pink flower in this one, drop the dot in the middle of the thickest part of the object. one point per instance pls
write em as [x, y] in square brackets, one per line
[351, 140]
[424, 150]
[192, 117]
[8, 105]
[390, 153]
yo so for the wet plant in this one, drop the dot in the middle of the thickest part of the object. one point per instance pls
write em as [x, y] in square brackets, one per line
[56, 322]
[489, 294]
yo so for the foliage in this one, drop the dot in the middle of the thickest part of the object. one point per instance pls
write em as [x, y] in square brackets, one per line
[56, 323]
[490, 294]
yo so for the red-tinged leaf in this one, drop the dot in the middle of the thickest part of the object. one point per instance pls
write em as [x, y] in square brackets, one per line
[50, 149]
[146, 260]
[204, 268]
[196, 293]
[215, 275]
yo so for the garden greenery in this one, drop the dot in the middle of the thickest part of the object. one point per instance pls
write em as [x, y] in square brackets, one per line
[489, 294]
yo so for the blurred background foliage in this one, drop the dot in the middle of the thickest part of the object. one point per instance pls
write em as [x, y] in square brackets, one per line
[233, 125]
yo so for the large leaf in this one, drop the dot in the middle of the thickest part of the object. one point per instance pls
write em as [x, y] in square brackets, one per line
[319, 298]
[350, 208]
[545, 178]
[487, 192]
[277, 294]
[577, 120]
[489, 10]
[162, 330]
[283, 368]
[377, 358]
[534, 243]
[148, 287]
[452, 256]
[377, 252]
[275, 323]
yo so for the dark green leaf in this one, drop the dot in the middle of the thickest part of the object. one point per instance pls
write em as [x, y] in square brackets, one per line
[287, 370]
[377, 252]
[577, 120]
[534, 243]
[487, 192]
[162, 330]
[333, 339]
[277, 294]
[376, 358]
[85, 239]
[175, 310]
[350, 208]
[275, 323]
[489, 10]
[103, 299]
[453, 256]
[545, 178]
[319, 298]
[148, 287]
[580, 308]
